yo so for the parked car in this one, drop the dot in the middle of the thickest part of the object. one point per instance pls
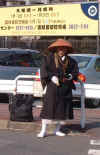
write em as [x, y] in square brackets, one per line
[89, 68]
[16, 61]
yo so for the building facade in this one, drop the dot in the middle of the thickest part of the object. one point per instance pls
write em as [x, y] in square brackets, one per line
[22, 2]
[30, 2]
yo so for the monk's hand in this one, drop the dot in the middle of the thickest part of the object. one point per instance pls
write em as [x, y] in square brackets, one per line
[68, 76]
[55, 80]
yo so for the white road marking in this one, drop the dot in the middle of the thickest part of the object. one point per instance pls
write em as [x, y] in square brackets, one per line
[93, 152]
[95, 142]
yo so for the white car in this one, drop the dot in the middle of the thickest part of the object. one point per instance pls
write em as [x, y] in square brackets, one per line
[89, 68]
[15, 62]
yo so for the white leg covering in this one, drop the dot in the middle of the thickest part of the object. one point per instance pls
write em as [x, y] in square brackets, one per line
[57, 130]
[43, 129]
[58, 126]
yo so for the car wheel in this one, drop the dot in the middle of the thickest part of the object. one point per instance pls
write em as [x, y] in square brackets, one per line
[93, 103]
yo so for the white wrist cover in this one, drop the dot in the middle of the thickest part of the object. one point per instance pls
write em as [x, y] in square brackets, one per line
[55, 80]
[44, 90]
[70, 77]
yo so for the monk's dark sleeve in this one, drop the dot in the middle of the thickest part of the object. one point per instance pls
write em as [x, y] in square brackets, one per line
[74, 69]
[44, 72]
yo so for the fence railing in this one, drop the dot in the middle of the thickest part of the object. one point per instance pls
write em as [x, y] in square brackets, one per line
[84, 46]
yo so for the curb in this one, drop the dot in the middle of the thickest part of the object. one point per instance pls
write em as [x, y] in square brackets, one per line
[4, 124]
[35, 127]
[29, 126]
[24, 126]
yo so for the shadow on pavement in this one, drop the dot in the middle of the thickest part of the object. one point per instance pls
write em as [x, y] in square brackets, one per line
[91, 128]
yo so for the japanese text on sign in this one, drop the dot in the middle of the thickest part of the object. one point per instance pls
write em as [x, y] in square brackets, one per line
[46, 20]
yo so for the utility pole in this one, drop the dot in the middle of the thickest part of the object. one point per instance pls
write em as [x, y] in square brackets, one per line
[45, 1]
[98, 37]
[27, 2]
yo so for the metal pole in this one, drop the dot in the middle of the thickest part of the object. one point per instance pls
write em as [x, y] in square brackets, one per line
[6, 42]
[28, 2]
[45, 1]
[83, 115]
[98, 45]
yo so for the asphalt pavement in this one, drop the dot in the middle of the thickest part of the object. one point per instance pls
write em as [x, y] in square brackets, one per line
[26, 143]
[20, 137]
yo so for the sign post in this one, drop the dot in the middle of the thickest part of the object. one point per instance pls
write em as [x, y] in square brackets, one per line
[98, 37]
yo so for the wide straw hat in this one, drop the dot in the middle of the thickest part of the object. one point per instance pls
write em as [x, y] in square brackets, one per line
[60, 43]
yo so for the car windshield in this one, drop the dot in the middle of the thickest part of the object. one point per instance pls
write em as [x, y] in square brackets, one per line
[82, 61]
[24, 59]
[37, 59]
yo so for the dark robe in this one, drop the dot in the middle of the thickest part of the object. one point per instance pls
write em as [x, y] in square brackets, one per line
[57, 102]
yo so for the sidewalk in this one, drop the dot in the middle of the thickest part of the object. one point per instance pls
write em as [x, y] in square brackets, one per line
[92, 122]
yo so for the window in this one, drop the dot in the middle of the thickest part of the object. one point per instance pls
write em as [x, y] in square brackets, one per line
[20, 58]
[97, 65]
[27, 60]
[4, 57]
[82, 61]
